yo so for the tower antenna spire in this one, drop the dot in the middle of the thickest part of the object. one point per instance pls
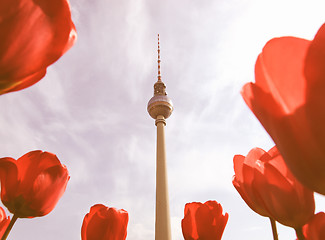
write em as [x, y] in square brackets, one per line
[159, 75]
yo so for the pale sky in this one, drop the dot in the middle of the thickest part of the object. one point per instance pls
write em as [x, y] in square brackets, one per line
[90, 109]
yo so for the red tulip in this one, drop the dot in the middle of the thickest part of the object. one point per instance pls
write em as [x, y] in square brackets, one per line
[103, 223]
[4, 221]
[203, 221]
[34, 34]
[315, 228]
[32, 185]
[288, 98]
[270, 189]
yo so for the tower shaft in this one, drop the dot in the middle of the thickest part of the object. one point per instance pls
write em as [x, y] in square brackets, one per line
[162, 227]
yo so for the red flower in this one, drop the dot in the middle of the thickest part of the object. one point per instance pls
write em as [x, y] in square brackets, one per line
[288, 98]
[315, 228]
[34, 34]
[32, 185]
[203, 221]
[4, 221]
[269, 188]
[103, 223]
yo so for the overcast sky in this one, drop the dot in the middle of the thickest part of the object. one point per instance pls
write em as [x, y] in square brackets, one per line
[90, 109]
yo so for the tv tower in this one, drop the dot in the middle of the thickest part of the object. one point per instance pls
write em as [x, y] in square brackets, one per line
[160, 108]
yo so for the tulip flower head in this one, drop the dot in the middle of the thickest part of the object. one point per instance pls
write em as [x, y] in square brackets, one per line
[270, 189]
[315, 228]
[288, 98]
[32, 185]
[203, 221]
[104, 223]
[34, 34]
[4, 221]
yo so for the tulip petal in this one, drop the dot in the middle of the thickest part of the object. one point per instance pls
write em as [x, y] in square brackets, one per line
[314, 68]
[36, 161]
[210, 221]
[103, 223]
[97, 227]
[34, 35]
[314, 110]
[251, 198]
[244, 177]
[32, 185]
[315, 75]
[19, 84]
[279, 87]
[118, 226]
[315, 229]
[48, 188]
[276, 71]
[281, 199]
[203, 221]
[4, 221]
[188, 223]
[9, 178]
[271, 189]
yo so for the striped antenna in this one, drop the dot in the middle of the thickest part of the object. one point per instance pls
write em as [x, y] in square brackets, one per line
[159, 76]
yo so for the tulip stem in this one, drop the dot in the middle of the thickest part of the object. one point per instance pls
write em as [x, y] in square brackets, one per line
[299, 233]
[11, 224]
[274, 231]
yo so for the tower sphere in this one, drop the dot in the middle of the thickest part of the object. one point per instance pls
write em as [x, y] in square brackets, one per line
[160, 105]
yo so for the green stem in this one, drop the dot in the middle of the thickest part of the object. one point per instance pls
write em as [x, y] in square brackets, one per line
[299, 233]
[11, 224]
[274, 231]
